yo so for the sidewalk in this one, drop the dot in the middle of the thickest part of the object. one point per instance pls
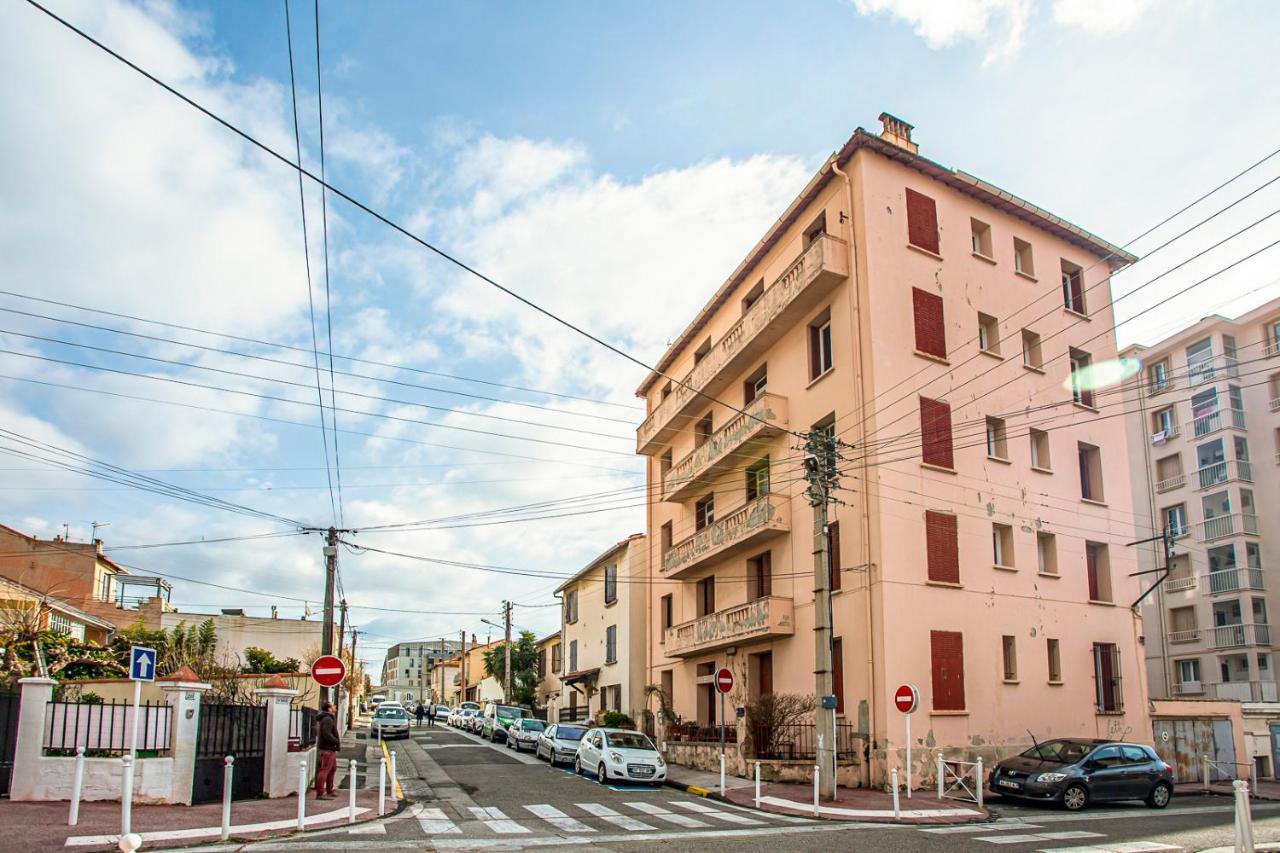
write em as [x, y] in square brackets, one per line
[853, 804]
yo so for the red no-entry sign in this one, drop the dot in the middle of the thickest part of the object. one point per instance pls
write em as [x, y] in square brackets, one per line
[724, 680]
[906, 698]
[328, 670]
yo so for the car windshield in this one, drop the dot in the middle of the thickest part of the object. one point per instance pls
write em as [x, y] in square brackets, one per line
[627, 740]
[532, 725]
[510, 711]
[391, 713]
[1060, 751]
[570, 732]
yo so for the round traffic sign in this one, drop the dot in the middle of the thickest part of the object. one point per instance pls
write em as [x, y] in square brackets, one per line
[724, 680]
[906, 698]
[328, 670]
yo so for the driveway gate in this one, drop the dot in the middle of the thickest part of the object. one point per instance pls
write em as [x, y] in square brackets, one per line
[1185, 743]
[8, 738]
[239, 730]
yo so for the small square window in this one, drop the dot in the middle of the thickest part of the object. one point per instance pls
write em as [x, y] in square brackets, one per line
[1055, 661]
[702, 352]
[752, 296]
[1046, 553]
[705, 512]
[988, 334]
[1081, 378]
[1009, 647]
[980, 238]
[1040, 449]
[1002, 545]
[1031, 356]
[755, 385]
[702, 430]
[821, 357]
[1098, 569]
[1090, 472]
[1072, 287]
[1022, 260]
[997, 442]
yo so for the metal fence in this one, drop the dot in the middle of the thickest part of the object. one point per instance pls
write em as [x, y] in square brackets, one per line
[103, 728]
[694, 733]
[576, 714]
[799, 741]
[302, 728]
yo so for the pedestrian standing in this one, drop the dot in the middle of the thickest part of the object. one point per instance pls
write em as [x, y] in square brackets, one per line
[431, 716]
[419, 712]
[328, 742]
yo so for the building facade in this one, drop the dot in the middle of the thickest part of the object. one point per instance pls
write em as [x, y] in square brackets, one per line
[407, 668]
[603, 637]
[945, 332]
[78, 573]
[21, 606]
[1204, 436]
[550, 666]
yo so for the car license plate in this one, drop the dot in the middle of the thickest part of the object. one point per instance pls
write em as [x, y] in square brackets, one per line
[1005, 783]
[642, 771]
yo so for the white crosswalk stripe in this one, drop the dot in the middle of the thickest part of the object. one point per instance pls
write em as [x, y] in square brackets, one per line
[1021, 838]
[434, 822]
[607, 814]
[657, 811]
[492, 817]
[559, 819]
[1115, 847]
[727, 817]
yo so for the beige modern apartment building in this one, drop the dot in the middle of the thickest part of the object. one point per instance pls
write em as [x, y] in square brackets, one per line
[947, 331]
[602, 633]
[1204, 437]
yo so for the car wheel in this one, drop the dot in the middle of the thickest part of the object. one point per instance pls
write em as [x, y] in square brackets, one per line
[1159, 796]
[577, 766]
[1075, 797]
[602, 774]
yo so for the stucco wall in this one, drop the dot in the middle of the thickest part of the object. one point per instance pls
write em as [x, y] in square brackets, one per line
[104, 779]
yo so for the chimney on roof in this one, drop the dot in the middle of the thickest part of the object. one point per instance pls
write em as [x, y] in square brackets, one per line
[473, 641]
[897, 131]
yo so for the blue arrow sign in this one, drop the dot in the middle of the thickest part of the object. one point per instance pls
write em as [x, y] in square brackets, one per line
[142, 663]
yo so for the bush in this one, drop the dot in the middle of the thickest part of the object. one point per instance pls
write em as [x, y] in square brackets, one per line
[617, 720]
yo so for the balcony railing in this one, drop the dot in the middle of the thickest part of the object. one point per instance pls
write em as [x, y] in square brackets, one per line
[1189, 636]
[756, 521]
[767, 617]
[1188, 688]
[1170, 483]
[1244, 691]
[1235, 580]
[1173, 584]
[1211, 369]
[727, 448]
[824, 263]
[1236, 636]
[1228, 525]
[1214, 421]
[1158, 387]
[1168, 433]
[1225, 471]
[1275, 403]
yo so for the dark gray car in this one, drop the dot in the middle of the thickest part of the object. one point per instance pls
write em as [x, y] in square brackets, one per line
[560, 743]
[1078, 771]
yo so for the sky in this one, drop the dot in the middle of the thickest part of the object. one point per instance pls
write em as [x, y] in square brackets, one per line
[609, 163]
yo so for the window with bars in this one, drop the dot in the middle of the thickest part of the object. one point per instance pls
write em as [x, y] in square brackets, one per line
[1106, 674]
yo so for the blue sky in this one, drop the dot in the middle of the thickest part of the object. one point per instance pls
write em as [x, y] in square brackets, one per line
[610, 162]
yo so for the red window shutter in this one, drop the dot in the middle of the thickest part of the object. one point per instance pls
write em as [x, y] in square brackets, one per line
[922, 221]
[947, 656]
[837, 673]
[1091, 568]
[942, 549]
[935, 433]
[931, 335]
[833, 555]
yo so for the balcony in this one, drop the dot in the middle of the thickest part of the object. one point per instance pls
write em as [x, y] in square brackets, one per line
[764, 618]
[1238, 636]
[1214, 421]
[1155, 387]
[1275, 403]
[1227, 525]
[1165, 435]
[1212, 369]
[746, 527]
[763, 419]
[1178, 584]
[1188, 688]
[1168, 484]
[1234, 580]
[805, 283]
[1189, 636]
[1225, 471]
[1244, 691]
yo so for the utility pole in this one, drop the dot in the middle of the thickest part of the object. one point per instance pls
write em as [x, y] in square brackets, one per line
[442, 668]
[351, 705]
[506, 620]
[330, 572]
[342, 635]
[1166, 539]
[820, 471]
[463, 668]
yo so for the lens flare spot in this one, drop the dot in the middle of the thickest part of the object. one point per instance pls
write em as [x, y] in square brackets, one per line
[1103, 374]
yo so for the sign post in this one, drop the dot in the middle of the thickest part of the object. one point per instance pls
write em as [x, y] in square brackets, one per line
[142, 667]
[907, 698]
[724, 683]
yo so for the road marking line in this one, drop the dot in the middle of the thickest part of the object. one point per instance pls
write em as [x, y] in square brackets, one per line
[1067, 836]
[1008, 839]
[727, 817]
[492, 817]
[434, 821]
[559, 819]
[655, 810]
[980, 827]
[608, 814]
[1120, 847]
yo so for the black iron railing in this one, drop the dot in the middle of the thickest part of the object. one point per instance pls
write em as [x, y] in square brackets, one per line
[302, 728]
[799, 741]
[695, 733]
[104, 728]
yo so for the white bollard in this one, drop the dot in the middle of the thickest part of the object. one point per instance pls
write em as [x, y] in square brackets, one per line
[351, 795]
[897, 809]
[382, 786]
[302, 794]
[817, 771]
[722, 774]
[1204, 768]
[757, 784]
[228, 776]
[77, 782]
[980, 782]
[126, 797]
[394, 796]
[1243, 817]
[941, 772]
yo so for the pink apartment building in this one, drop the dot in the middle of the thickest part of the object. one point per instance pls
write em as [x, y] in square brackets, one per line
[980, 552]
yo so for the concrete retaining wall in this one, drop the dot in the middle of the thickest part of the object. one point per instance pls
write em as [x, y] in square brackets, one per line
[103, 778]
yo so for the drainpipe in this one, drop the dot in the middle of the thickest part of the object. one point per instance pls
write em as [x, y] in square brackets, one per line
[866, 505]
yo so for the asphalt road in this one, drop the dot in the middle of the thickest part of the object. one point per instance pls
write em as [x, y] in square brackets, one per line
[471, 795]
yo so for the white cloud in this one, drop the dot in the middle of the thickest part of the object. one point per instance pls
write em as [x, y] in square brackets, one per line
[1000, 24]
[1100, 17]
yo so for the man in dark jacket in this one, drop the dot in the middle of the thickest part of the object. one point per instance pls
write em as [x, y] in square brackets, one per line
[328, 742]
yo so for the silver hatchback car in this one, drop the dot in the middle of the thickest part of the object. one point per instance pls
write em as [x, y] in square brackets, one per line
[560, 742]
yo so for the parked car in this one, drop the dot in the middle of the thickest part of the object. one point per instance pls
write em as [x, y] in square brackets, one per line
[560, 742]
[524, 733]
[497, 718]
[474, 721]
[620, 754]
[1078, 771]
[390, 720]
[442, 712]
[464, 718]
